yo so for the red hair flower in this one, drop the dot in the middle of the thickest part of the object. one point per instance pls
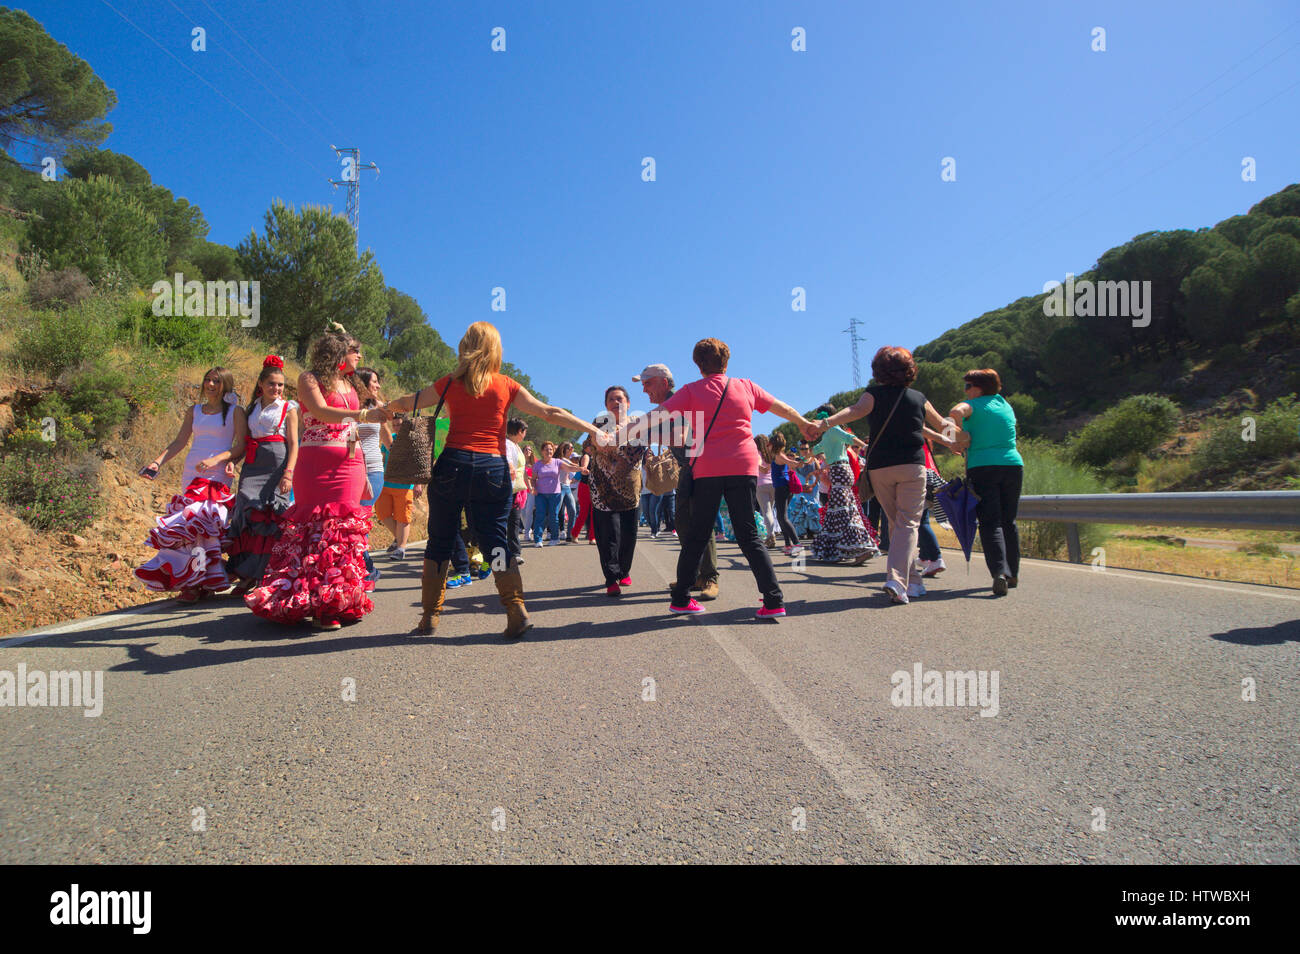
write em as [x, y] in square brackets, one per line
[273, 361]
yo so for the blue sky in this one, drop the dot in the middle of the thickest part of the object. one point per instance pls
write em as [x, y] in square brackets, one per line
[775, 168]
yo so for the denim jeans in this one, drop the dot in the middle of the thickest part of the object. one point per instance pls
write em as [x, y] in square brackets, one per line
[569, 503]
[480, 483]
[926, 540]
[546, 515]
[667, 510]
[651, 504]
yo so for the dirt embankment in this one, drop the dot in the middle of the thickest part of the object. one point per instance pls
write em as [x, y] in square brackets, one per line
[52, 577]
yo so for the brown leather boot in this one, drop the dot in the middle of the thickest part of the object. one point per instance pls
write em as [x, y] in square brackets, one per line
[433, 590]
[511, 587]
[709, 590]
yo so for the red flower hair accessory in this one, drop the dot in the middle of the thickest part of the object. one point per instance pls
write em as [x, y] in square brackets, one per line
[274, 361]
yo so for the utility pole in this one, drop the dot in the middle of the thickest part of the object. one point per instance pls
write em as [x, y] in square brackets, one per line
[351, 157]
[852, 332]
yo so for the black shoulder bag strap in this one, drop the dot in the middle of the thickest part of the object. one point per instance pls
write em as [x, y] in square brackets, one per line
[686, 480]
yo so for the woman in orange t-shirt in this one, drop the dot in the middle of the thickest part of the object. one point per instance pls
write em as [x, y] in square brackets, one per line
[472, 473]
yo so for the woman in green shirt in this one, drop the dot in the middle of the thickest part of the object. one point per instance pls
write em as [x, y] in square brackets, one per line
[995, 470]
[843, 536]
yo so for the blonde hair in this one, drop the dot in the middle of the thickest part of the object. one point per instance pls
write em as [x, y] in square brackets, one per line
[480, 357]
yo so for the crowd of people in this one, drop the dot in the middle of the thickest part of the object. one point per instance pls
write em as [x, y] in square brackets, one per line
[313, 476]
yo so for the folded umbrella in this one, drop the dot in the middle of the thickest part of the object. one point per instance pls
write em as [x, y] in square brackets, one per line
[959, 502]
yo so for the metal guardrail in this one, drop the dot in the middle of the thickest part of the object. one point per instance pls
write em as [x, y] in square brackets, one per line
[1246, 509]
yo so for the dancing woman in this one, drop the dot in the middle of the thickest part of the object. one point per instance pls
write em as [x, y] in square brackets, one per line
[471, 472]
[843, 536]
[317, 569]
[266, 478]
[188, 537]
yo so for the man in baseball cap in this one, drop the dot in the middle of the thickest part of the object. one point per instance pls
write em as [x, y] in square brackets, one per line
[657, 382]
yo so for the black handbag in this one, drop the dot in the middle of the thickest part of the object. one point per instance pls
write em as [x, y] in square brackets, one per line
[686, 481]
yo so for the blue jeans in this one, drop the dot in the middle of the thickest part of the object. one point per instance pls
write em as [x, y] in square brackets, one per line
[666, 511]
[546, 512]
[569, 502]
[480, 483]
[927, 541]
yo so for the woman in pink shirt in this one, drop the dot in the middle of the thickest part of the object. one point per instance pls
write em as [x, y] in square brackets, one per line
[724, 461]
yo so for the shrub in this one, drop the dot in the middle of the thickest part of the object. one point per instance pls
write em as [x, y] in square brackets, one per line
[192, 340]
[1048, 470]
[49, 494]
[65, 287]
[53, 341]
[1136, 425]
[100, 392]
[1226, 447]
[51, 426]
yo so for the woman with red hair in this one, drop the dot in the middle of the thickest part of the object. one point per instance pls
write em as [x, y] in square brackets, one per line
[895, 459]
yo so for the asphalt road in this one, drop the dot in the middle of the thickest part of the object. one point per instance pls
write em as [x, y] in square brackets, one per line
[1120, 734]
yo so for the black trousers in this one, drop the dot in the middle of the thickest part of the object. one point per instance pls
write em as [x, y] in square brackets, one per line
[741, 494]
[998, 487]
[615, 542]
[782, 505]
[707, 567]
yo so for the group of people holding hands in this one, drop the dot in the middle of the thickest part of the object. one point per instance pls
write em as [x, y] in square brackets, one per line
[308, 559]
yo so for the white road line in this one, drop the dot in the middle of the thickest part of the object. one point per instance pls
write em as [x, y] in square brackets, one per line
[108, 619]
[1153, 577]
[865, 788]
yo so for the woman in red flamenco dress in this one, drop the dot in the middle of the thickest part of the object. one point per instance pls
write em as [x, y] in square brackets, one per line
[317, 568]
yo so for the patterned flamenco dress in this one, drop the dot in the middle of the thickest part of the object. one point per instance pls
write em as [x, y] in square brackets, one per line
[317, 567]
[188, 537]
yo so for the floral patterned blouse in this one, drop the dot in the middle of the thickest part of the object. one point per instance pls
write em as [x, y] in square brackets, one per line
[317, 432]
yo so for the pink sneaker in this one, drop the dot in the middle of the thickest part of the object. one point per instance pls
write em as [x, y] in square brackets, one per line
[626, 581]
[613, 590]
[691, 607]
[765, 613]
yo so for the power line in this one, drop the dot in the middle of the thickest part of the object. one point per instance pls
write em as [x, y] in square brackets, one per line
[284, 78]
[206, 83]
[238, 62]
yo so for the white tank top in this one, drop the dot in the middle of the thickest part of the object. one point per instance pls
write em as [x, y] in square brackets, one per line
[211, 437]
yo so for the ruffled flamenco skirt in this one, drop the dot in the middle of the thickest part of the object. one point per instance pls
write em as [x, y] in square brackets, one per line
[317, 566]
[189, 539]
[844, 535]
[257, 514]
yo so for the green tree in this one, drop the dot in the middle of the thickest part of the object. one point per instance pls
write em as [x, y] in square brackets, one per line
[1136, 425]
[181, 224]
[47, 92]
[94, 225]
[217, 262]
[311, 275]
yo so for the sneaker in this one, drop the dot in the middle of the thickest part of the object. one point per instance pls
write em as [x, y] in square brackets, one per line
[915, 590]
[653, 535]
[931, 568]
[465, 579]
[673, 532]
[1000, 586]
[720, 538]
[539, 544]
[895, 592]
[626, 581]
[613, 590]
[519, 561]
[398, 553]
[391, 547]
[453, 582]
[793, 551]
[483, 572]
[691, 607]
[765, 613]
